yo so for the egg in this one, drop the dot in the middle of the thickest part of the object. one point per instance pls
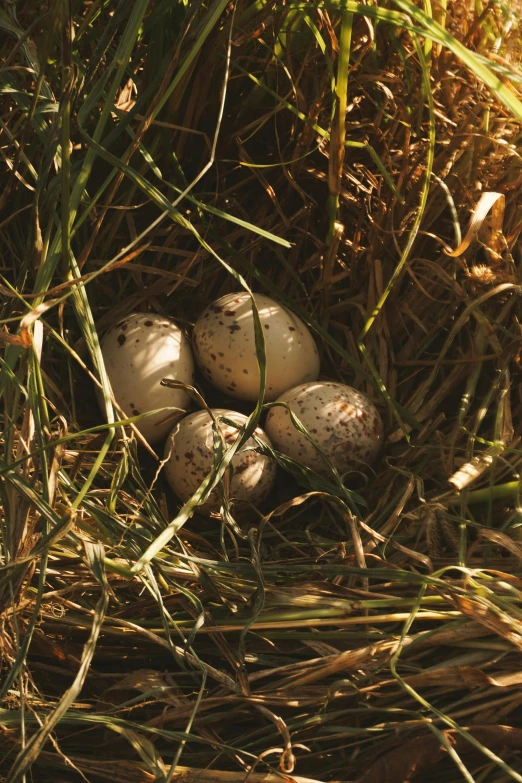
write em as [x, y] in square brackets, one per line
[138, 353]
[225, 349]
[343, 422]
[189, 455]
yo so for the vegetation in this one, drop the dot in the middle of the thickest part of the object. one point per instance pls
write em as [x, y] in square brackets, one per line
[362, 162]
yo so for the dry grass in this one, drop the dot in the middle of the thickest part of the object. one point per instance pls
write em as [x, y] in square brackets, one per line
[383, 645]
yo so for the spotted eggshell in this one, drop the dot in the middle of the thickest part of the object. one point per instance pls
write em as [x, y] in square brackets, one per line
[189, 452]
[342, 421]
[138, 353]
[224, 347]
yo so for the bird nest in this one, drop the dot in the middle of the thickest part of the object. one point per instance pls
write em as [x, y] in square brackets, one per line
[362, 165]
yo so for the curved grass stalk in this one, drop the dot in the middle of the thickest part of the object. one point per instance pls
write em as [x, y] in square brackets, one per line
[428, 27]
[409, 245]
[441, 715]
[324, 133]
[26, 757]
[338, 132]
[423, 199]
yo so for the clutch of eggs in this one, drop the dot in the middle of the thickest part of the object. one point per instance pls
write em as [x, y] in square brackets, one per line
[189, 455]
[138, 353]
[225, 350]
[341, 420]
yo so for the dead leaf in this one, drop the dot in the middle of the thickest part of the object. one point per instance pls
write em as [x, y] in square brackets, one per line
[405, 762]
[125, 101]
[489, 619]
[31, 317]
[488, 201]
[158, 685]
[15, 339]
[501, 539]
[445, 677]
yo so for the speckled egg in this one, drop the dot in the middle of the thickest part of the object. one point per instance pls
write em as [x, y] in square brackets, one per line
[189, 452]
[224, 347]
[342, 421]
[139, 352]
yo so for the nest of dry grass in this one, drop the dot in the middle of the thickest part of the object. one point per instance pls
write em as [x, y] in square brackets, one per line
[151, 154]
